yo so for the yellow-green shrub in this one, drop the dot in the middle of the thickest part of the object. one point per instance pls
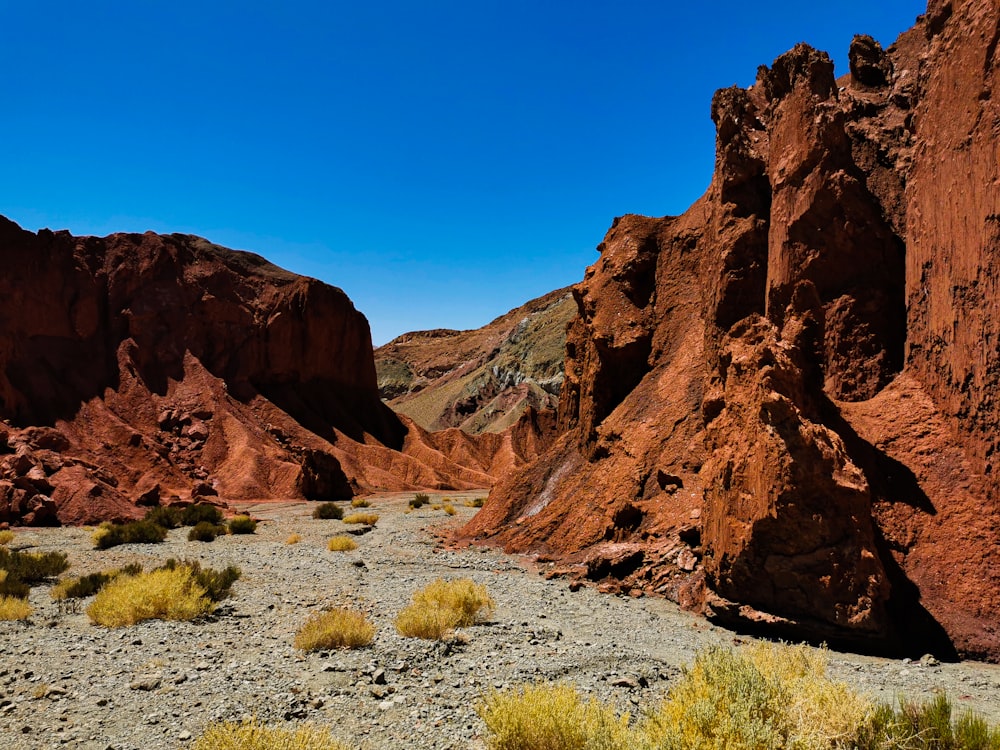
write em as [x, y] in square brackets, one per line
[369, 518]
[6, 537]
[360, 502]
[552, 717]
[293, 538]
[925, 726]
[477, 502]
[442, 606]
[342, 543]
[164, 594]
[242, 525]
[449, 509]
[336, 628]
[250, 735]
[14, 608]
[428, 621]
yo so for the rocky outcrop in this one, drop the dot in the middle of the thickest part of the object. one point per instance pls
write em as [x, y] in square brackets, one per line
[146, 369]
[483, 380]
[781, 408]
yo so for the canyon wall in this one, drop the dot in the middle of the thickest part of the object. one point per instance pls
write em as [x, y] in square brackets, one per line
[781, 408]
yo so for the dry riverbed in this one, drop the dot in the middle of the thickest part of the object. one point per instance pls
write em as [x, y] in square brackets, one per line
[67, 683]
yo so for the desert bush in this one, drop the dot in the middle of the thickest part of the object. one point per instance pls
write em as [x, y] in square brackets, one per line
[216, 583]
[165, 516]
[242, 525]
[11, 586]
[192, 515]
[419, 500]
[342, 543]
[552, 717]
[163, 594]
[6, 537]
[136, 532]
[430, 622]
[477, 502]
[449, 509]
[360, 502]
[14, 608]
[32, 567]
[336, 628]
[369, 518]
[328, 511]
[249, 735]
[205, 531]
[925, 726]
[293, 539]
[767, 696]
[88, 585]
[442, 606]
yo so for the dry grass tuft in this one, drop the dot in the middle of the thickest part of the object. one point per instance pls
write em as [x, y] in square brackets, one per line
[442, 606]
[250, 735]
[360, 502]
[293, 539]
[368, 518]
[336, 628]
[449, 509]
[243, 524]
[14, 608]
[6, 537]
[477, 502]
[342, 543]
[163, 594]
[430, 622]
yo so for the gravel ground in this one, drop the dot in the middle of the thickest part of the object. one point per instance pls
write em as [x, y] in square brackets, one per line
[67, 683]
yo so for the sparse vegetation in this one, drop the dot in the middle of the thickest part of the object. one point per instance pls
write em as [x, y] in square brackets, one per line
[449, 509]
[360, 502]
[442, 606]
[477, 502]
[165, 516]
[14, 608]
[250, 735]
[32, 567]
[11, 586]
[88, 585]
[164, 594]
[6, 537]
[201, 513]
[925, 726]
[293, 538]
[242, 525]
[342, 543]
[328, 511]
[420, 499]
[367, 518]
[136, 532]
[216, 583]
[336, 628]
[552, 717]
[205, 531]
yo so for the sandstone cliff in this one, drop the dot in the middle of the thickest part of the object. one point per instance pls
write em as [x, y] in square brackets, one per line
[782, 407]
[140, 369]
[481, 380]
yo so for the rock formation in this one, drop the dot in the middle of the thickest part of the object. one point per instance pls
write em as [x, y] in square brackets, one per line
[782, 407]
[145, 369]
[481, 380]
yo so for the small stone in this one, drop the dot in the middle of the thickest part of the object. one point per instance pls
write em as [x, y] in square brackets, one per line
[184, 735]
[146, 682]
[378, 677]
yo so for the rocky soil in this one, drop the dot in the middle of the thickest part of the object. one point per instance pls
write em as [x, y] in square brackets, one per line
[67, 683]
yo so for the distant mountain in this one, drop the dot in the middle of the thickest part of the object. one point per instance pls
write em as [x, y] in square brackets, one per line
[481, 380]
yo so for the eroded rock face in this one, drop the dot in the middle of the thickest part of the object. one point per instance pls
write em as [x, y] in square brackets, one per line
[145, 369]
[782, 407]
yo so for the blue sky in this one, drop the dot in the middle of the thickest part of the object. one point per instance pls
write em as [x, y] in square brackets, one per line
[442, 162]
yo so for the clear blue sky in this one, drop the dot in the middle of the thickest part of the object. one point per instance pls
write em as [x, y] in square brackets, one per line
[442, 162]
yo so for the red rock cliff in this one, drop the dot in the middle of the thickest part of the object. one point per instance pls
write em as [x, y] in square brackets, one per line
[783, 406]
[138, 369]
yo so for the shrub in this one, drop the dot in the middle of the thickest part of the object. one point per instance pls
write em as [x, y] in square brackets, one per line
[14, 608]
[136, 532]
[449, 509]
[928, 725]
[328, 511]
[249, 735]
[477, 502]
[242, 525]
[216, 583]
[442, 606]
[551, 717]
[768, 696]
[6, 537]
[165, 516]
[205, 531]
[32, 567]
[164, 594]
[360, 502]
[430, 622]
[369, 518]
[201, 513]
[88, 585]
[342, 543]
[293, 539]
[11, 586]
[419, 500]
[336, 628]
